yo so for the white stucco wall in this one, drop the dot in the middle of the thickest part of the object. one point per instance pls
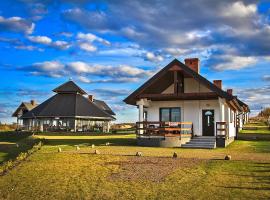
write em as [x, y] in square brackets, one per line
[190, 111]
[231, 124]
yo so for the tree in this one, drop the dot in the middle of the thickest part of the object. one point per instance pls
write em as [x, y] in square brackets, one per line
[265, 113]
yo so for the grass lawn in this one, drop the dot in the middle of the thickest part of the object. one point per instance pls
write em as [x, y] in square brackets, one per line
[8, 147]
[259, 131]
[260, 128]
[117, 174]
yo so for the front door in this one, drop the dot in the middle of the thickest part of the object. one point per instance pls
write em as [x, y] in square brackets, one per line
[208, 122]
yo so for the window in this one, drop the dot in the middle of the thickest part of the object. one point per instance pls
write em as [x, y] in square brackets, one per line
[170, 114]
[145, 116]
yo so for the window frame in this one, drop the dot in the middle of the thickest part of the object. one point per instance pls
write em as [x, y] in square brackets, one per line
[170, 113]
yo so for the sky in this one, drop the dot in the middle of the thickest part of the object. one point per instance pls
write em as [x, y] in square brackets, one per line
[110, 48]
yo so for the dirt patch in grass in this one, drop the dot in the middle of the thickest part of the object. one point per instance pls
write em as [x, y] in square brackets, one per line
[154, 169]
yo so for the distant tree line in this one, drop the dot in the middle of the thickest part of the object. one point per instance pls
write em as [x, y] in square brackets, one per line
[265, 113]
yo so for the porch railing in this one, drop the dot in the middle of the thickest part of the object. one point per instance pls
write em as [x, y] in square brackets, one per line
[222, 130]
[158, 128]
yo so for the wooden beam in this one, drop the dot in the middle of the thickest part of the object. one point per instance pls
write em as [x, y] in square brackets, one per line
[181, 96]
[175, 81]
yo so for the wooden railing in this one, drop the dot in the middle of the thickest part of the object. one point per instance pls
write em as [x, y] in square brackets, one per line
[158, 128]
[222, 130]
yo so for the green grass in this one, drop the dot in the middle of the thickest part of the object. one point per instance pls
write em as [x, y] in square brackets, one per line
[260, 131]
[261, 128]
[8, 141]
[73, 174]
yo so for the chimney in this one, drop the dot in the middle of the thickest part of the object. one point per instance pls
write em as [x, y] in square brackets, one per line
[90, 97]
[33, 102]
[193, 63]
[230, 91]
[218, 83]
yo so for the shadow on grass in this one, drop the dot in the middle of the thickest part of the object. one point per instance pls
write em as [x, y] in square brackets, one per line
[13, 136]
[112, 141]
[256, 176]
[11, 150]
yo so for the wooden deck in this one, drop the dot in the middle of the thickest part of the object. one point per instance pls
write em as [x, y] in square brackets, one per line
[168, 129]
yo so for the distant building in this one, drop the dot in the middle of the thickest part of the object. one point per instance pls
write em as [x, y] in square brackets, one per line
[23, 108]
[68, 110]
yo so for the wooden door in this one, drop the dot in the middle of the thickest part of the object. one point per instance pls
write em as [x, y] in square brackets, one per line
[208, 122]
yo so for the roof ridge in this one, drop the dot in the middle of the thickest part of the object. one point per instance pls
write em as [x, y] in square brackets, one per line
[73, 87]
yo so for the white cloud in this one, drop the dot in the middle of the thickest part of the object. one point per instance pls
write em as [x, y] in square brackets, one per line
[153, 57]
[91, 38]
[130, 32]
[229, 62]
[86, 40]
[256, 98]
[84, 79]
[53, 69]
[121, 73]
[266, 77]
[61, 44]
[40, 39]
[49, 66]
[239, 9]
[44, 40]
[176, 51]
[28, 48]
[87, 47]
[66, 34]
[16, 24]
[80, 67]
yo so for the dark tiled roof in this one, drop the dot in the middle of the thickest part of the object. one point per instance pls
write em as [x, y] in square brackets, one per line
[103, 106]
[67, 105]
[69, 87]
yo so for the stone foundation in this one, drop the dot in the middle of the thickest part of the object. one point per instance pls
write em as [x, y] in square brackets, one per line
[161, 141]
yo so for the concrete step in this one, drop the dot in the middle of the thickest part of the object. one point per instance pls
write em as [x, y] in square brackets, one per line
[206, 137]
[204, 142]
[198, 146]
[199, 139]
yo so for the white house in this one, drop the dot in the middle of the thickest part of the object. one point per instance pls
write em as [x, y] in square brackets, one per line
[179, 107]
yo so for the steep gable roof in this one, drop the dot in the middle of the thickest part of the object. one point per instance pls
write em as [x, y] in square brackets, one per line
[24, 105]
[69, 87]
[131, 99]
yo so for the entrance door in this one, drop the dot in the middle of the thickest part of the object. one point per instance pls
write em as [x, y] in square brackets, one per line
[208, 122]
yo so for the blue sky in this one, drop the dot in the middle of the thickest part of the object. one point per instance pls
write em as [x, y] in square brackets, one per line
[111, 47]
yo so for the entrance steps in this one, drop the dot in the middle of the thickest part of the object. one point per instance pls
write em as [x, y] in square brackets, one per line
[201, 142]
